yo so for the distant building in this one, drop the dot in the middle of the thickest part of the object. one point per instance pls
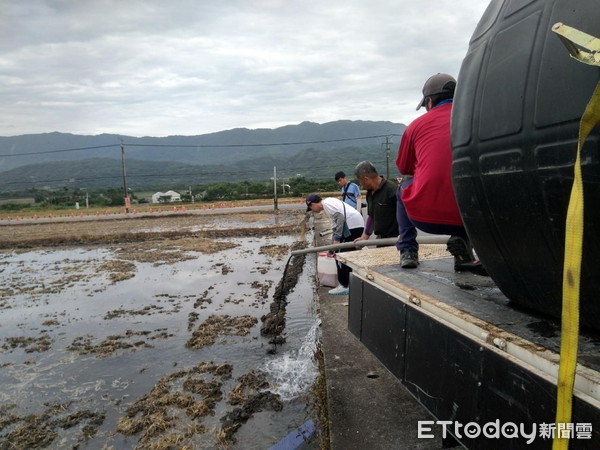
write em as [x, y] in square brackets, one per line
[166, 197]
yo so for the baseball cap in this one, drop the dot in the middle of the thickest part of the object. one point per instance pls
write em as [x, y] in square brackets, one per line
[436, 84]
[312, 198]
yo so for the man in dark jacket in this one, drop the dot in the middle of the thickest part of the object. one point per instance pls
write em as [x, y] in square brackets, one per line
[381, 202]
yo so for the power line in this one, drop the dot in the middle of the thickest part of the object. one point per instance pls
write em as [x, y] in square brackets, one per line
[265, 173]
[203, 172]
[60, 151]
[259, 145]
[198, 146]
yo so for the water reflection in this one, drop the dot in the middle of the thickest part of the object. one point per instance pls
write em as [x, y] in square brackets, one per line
[64, 300]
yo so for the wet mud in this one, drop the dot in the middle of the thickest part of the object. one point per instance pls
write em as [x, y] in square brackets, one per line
[21, 236]
[180, 409]
[42, 430]
[181, 397]
[216, 326]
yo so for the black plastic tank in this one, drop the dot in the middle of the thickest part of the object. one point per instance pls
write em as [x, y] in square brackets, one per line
[515, 122]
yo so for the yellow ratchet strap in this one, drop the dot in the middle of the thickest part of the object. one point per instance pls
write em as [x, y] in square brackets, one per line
[584, 48]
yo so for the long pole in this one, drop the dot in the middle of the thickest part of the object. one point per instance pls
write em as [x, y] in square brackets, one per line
[125, 193]
[387, 156]
[385, 242]
[275, 188]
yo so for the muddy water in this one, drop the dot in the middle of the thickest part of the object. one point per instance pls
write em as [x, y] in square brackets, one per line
[103, 350]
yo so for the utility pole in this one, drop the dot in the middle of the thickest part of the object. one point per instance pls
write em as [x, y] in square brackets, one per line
[275, 188]
[125, 192]
[387, 156]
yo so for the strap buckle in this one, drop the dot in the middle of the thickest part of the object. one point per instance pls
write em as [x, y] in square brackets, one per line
[581, 46]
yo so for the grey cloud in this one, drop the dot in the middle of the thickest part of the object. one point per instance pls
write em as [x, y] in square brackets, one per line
[187, 67]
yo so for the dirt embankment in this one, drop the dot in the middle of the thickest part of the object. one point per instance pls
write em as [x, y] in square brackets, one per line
[73, 231]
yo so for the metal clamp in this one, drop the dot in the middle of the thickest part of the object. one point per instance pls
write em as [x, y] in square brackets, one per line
[581, 46]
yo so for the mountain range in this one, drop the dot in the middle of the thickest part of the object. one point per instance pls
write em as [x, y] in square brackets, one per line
[54, 160]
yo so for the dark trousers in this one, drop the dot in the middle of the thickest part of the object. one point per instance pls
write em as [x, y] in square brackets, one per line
[343, 271]
[408, 227]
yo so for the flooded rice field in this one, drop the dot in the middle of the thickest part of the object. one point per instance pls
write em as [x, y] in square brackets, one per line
[160, 342]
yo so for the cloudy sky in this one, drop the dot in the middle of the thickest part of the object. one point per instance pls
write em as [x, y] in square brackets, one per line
[188, 67]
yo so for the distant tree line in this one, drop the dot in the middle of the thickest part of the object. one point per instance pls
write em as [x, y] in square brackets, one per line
[224, 191]
[293, 187]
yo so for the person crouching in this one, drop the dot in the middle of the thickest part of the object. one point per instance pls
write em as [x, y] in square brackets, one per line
[348, 225]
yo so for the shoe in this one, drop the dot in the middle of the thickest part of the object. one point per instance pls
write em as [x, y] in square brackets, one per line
[475, 267]
[340, 290]
[461, 251]
[409, 258]
[464, 260]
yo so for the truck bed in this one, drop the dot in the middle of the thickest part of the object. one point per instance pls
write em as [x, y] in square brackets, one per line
[446, 334]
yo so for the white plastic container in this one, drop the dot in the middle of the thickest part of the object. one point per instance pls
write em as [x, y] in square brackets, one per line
[327, 270]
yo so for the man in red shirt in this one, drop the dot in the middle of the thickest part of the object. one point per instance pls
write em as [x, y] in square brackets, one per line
[426, 196]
